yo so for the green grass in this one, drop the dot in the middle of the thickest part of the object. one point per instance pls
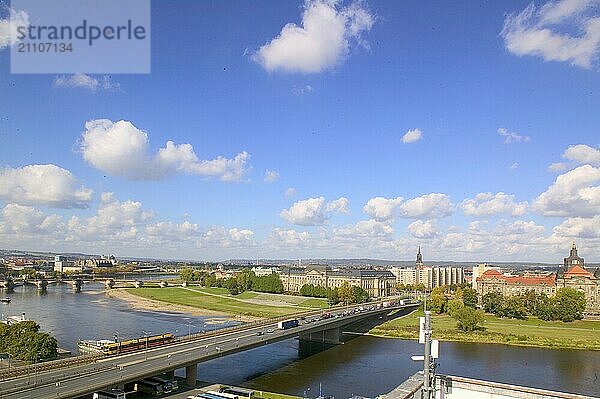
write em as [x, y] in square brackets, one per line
[317, 303]
[199, 300]
[580, 334]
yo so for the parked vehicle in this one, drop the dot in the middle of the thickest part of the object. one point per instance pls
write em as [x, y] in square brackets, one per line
[112, 394]
[150, 387]
[240, 392]
[285, 324]
[166, 383]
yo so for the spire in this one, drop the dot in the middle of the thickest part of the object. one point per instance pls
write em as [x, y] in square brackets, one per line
[419, 261]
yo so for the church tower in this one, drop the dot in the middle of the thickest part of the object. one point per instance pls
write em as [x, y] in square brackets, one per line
[573, 259]
[419, 261]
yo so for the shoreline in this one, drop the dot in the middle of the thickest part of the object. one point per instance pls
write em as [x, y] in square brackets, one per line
[140, 303]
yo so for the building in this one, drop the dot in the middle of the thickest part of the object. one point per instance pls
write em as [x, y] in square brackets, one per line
[572, 274]
[96, 263]
[477, 272]
[377, 283]
[264, 271]
[62, 265]
[429, 276]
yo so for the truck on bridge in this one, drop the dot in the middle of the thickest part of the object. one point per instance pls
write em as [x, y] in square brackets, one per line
[285, 324]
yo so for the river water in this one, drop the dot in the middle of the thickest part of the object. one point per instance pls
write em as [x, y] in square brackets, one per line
[364, 366]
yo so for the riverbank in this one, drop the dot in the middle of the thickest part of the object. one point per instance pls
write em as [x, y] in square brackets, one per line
[533, 332]
[142, 303]
[203, 302]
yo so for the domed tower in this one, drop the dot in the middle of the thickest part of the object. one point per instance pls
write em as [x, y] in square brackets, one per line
[573, 259]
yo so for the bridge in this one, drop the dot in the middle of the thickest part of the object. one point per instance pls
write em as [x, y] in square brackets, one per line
[85, 374]
[9, 284]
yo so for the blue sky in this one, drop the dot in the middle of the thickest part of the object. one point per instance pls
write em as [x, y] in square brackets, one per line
[492, 95]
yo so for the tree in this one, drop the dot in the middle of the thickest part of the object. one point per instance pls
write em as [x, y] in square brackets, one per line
[244, 279]
[359, 295]
[23, 341]
[437, 300]
[570, 304]
[470, 297]
[332, 296]
[492, 302]
[546, 308]
[531, 301]
[345, 293]
[231, 285]
[453, 306]
[186, 274]
[469, 319]
[513, 307]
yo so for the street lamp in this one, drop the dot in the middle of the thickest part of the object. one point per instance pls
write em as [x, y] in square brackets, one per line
[189, 324]
[146, 333]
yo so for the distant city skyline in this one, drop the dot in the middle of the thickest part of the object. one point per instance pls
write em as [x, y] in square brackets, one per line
[317, 129]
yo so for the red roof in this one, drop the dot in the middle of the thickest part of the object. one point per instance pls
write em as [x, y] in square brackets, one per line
[577, 271]
[523, 280]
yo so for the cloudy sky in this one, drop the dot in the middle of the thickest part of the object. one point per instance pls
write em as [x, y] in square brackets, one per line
[317, 129]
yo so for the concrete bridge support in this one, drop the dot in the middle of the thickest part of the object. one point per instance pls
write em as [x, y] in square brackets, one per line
[331, 336]
[109, 283]
[41, 284]
[76, 285]
[170, 374]
[191, 373]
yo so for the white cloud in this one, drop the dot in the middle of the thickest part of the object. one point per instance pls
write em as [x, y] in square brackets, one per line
[488, 204]
[321, 42]
[427, 206]
[271, 176]
[339, 205]
[412, 136]
[573, 194]
[290, 192]
[583, 154]
[565, 31]
[512, 137]
[423, 229]
[381, 208]
[557, 167]
[121, 149]
[8, 26]
[47, 185]
[313, 211]
[365, 228]
[289, 237]
[81, 80]
[26, 220]
[303, 90]
[578, 228]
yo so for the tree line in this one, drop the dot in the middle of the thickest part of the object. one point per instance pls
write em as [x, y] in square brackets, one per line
[345, 293]
[566, 305]
[246, 280]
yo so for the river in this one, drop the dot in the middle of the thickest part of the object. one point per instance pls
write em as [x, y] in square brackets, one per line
[364, 366]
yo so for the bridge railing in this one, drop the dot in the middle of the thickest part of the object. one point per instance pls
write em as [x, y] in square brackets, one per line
[90, 358]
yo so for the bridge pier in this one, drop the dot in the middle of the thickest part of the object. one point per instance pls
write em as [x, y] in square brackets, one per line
[170, 374]
[41, 284]
[109, 283]
[191, 374]
[76, 285]
[331, 336]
